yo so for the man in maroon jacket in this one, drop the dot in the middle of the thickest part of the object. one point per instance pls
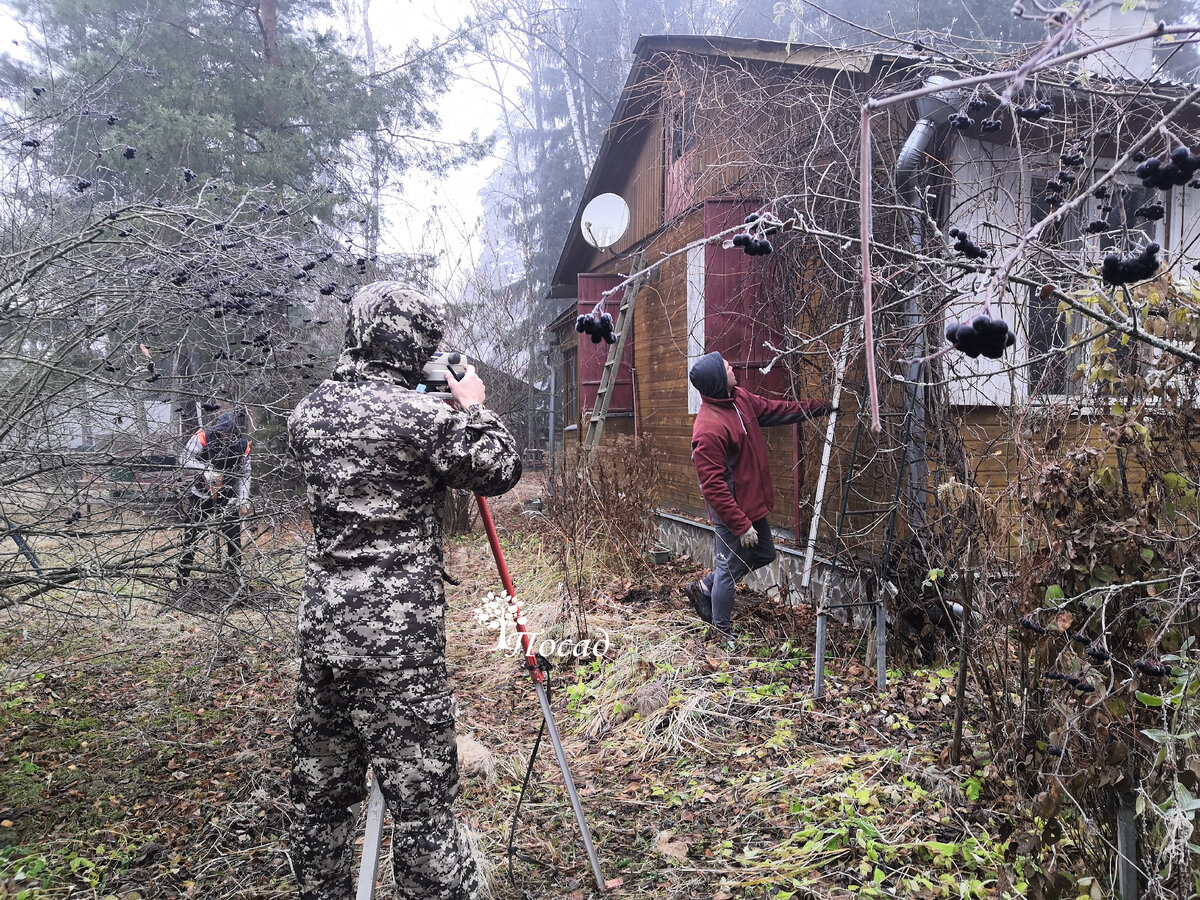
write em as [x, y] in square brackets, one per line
[731, 462]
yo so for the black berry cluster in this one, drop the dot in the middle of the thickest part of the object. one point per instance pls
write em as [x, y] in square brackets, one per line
[964, 245]
[1034, 111]
[1072, 159]
[1152, 667]
[990, 125]
[982, 336]
[1080, 684]
[1151, 211]
[1096, 226]
[1028, 622]
[961, 121]
[753, 240]
[1179, 168]
[1127, 268]
[598, 325]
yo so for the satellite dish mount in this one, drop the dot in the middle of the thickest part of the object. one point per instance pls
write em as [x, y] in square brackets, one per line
[604, 221]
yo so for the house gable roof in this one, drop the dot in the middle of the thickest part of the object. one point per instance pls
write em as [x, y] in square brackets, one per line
[641, 94]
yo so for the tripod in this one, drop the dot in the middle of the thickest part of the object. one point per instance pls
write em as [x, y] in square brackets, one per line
[376, 807]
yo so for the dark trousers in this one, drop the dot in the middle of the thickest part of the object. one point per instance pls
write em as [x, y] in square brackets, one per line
[401, 724]
[201, 511]
[733, 562]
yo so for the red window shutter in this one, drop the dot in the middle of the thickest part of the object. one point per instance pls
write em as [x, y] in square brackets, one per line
[593, 356]
[737, 311]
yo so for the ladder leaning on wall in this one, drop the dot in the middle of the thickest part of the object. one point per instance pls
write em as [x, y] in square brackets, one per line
[608, 380]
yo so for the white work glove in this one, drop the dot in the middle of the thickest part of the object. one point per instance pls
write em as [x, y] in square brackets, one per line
[214, 482]
[749, 539]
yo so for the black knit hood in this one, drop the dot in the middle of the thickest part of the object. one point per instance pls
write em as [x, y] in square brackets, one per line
[709, 378]
[226, 424]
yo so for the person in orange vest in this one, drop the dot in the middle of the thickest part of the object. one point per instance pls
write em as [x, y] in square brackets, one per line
[219, 459]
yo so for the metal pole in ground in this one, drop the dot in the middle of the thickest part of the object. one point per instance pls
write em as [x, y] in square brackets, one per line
[960, 690]
[819, 659]
[880, 638]
[368, 872]
[1127, 866]
[815, 521]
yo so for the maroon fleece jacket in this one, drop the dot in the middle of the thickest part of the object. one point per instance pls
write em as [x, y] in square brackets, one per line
[731, 457]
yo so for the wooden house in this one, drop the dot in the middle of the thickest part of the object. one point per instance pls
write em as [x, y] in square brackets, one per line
[710, 129]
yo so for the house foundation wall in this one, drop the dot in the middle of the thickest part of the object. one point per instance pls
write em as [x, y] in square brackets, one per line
[780, 579]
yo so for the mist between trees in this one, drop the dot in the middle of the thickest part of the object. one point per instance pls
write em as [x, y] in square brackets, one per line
[192, 191]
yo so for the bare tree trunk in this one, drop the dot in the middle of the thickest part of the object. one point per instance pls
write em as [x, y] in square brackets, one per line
[183, 403]
[578, 126]
[268, 24]
[624, 36]
[376, 177]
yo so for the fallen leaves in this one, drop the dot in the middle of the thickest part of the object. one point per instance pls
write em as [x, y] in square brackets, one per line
[675, 851]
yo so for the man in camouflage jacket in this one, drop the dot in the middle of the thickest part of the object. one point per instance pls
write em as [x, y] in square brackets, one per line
[378, 458]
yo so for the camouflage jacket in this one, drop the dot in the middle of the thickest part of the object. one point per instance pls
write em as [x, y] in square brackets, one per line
[377, 458]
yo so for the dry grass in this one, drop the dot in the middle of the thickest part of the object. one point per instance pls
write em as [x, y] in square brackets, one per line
[184, 709]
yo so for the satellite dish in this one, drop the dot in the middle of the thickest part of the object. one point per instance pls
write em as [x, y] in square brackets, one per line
[605, 219]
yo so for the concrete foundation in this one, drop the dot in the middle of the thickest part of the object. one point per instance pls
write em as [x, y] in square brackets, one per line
[782, 578]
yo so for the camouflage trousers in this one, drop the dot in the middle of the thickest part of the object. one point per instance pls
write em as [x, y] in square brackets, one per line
[401, 724]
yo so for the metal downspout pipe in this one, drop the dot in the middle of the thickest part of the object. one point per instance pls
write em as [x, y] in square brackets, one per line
[933, 112]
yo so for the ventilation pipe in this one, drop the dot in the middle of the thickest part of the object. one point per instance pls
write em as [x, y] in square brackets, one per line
[933, 113]
[1112, 20]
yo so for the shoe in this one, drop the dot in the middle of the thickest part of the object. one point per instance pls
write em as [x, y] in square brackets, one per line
[726, 642]
[700, 600]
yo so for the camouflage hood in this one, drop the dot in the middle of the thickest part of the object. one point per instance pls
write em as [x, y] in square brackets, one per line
[391, 333]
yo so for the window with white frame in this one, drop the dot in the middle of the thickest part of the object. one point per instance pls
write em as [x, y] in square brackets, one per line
[998, 194]
[1054, 349]
[990, 190]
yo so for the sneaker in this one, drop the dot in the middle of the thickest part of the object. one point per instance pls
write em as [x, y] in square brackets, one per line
[700, 600]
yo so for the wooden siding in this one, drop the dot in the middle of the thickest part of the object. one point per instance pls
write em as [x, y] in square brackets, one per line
[641, 185]
[660, 372]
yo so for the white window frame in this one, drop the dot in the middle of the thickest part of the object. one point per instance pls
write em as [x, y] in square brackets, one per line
[1005, 178]
[986, 178]
[1162, 231]
[696, 274]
